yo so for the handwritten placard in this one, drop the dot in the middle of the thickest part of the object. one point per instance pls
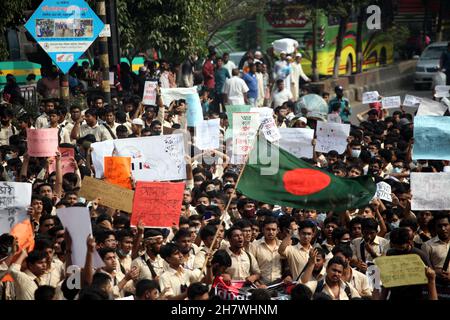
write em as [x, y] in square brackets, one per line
[297, 141]
[110, 195]
[430, 191]
[42, 142]
[442, 91]
[391, 102]
[401, 270]
[429, 107]
[149, 97]
[370, 97]
[332, 136]
[118, 171]
[411, 101]
[245, 125]
[157, 204]
[384, 191]
[207, 134]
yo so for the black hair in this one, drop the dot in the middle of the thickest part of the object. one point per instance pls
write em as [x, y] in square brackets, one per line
[369, 224]
[104, 251]
[243, 223]
[91, 112]
[122, 220]
[145, 285]
[46, 217]
[222, 258]
[207, 231]
[44, 293]
[336, 260]
[409, 222]
[301, 292]
[103, 217]
[168, 250]
[43, 243]
[332, 219]
[306, 224]
[269, 220]
[399, 236]
[196, 289]
[338, 233]
[230, 231]
[122, 234]
[101, 236]
[182, 233]
[260, 295]
[285, 222]
[345, 249]
[35, 256]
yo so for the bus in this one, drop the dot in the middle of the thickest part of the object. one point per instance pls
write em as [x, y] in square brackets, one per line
[283, 20]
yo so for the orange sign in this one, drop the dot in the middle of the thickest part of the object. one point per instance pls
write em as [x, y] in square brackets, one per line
[118, 171]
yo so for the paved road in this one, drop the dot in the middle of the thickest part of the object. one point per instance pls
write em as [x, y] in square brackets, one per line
[359, 107]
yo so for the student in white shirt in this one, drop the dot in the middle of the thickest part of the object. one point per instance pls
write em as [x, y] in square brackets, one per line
[235, 90]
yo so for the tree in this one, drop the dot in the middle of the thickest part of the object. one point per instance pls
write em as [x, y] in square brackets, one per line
[343, 9]
[13, 14]
[175, 27]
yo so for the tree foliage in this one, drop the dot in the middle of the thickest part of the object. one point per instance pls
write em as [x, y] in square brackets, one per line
[175, 27]
[12, 14]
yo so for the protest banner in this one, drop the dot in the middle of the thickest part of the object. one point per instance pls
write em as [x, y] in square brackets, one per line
[149, 96]
[297, 141]
[268, 125]
[100, 150]
[111, 78]
[194, 111]
[411, 101]
[430, 191]
[245, 126]
[401, 270]
[157, 204]
[110, 195]
[431, 138]
[156, 158]
[429, 107]
[67, 158]
[207, 134]
[77, 221]
[230, 110]
[370, 97]
[118, 171]
[384, 191]
[442, 91]
[391, 102]
[232, 291]
[15, 198]
[332, 136]
[42, 142]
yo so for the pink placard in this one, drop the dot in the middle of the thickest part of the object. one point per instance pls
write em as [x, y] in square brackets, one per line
[42, 142]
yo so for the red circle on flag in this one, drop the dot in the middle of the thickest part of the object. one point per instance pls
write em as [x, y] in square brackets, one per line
[303, 182]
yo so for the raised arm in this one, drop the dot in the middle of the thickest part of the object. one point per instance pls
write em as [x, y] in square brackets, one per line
[59, 176]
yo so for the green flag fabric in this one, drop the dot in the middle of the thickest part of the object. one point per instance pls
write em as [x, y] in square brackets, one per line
[300, 185]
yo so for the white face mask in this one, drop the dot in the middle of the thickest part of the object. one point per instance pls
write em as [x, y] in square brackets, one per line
[356, 153]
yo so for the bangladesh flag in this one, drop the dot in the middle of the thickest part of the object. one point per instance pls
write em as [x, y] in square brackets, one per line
[300, 185]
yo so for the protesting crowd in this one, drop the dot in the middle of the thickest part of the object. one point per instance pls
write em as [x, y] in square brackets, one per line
[339, 218]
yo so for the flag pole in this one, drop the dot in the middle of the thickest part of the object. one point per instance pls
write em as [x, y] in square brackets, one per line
[222, 217]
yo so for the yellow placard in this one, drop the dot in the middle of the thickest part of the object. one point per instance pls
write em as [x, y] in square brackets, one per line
[401, 270]
[110, 195]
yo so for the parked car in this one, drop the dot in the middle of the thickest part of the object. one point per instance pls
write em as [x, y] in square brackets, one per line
[428, 64]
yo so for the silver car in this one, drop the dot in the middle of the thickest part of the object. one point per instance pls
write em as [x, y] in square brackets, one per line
[428, 64]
